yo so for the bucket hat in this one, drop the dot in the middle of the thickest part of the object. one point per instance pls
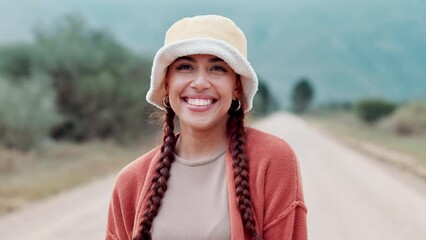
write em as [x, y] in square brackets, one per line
[207, 34]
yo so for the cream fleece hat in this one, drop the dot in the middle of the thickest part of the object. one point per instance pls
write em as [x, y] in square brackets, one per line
[209, 34]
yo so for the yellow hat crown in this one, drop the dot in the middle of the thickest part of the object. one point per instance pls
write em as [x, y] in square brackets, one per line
[209, 26]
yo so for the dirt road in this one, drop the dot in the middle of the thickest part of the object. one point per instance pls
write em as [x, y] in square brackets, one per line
[349, 196]
[73, 215]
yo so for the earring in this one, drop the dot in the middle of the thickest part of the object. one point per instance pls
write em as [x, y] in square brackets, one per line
[234, 102]
[166, 101]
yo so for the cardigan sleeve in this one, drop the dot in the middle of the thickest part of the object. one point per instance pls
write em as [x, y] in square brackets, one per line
[290, 226]
[126, 195]
[116, 224]
[285, 210]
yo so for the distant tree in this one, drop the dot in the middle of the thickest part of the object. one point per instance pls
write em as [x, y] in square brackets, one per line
[302, 95]
[371, 110]
[264, 101]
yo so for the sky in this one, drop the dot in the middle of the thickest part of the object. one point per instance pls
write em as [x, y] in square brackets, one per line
[372, 47]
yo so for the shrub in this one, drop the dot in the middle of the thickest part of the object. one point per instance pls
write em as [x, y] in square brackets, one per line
[371, 110]
[407, 119]
[27, 112]
[17, 61]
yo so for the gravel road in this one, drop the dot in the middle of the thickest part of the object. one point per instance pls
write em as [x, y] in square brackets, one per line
[349, 196]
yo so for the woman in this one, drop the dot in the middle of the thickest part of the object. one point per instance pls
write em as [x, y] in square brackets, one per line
[216, 179]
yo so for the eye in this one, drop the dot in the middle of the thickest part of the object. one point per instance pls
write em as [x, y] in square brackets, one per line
[183, 67]
[219, 68]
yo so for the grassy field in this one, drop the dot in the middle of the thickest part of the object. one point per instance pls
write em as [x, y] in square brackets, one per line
[405, 151]
[27, 177]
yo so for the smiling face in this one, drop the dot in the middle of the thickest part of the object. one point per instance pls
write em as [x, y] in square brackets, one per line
[201, 89]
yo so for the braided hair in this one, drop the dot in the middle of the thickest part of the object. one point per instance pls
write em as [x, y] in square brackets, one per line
[160, 177]
[237, 135]
[237, 142]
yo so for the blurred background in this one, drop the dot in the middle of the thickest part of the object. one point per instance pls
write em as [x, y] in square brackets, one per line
[74, 74]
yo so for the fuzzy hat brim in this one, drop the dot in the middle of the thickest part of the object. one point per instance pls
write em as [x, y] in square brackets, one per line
[169, 53]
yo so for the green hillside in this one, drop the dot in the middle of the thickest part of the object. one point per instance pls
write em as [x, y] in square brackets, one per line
[349, 49]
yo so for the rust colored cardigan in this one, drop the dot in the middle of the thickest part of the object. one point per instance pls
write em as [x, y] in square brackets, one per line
[275, 185]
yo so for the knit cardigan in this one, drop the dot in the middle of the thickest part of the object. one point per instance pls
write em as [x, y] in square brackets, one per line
[275, 186]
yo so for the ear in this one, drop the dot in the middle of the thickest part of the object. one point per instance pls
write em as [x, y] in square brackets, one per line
[166, 85]
[238, 88]
[166, 80]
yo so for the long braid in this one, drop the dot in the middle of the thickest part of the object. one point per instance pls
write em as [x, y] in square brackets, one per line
[237, 134]
[160, 177]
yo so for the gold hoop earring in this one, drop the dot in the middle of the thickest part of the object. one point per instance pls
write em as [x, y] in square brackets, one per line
[166, 101]
[234, 103]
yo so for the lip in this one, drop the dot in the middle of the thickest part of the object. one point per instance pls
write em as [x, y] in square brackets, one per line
[199, 103]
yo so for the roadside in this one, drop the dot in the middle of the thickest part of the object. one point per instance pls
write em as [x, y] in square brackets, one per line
[78, 213]
[407, 160]
[29, 177]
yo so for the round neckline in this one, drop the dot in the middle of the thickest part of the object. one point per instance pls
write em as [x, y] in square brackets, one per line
[192, 163]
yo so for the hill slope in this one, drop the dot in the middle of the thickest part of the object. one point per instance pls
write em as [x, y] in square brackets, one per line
[349, 49]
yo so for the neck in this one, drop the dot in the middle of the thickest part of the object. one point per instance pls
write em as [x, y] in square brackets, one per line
[194, 144]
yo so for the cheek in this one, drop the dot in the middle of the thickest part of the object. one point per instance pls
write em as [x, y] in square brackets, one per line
[228, 87]
[174, 83]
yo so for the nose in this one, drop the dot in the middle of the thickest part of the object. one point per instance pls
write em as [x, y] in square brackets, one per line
[200, 81]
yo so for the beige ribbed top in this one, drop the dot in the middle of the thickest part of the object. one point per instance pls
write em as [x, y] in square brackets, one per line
[195, 205]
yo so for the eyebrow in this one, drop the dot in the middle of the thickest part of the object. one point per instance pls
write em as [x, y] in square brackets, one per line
[185, 58]
[191, 59]
[215, 59]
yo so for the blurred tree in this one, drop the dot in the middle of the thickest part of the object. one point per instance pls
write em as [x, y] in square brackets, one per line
[100, 84]
[16, 61]
[302, 95]
[264, 101]
[372, 109]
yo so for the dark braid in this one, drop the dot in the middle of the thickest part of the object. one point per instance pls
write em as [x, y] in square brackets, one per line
[237, 136]
[160, 177]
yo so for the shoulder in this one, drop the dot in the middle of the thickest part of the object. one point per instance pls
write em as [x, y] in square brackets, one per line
[263, 145]
[127, 193]
[133, 175]
[274, 175]
[273, 162]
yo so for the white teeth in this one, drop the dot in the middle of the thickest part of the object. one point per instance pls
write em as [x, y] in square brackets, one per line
[199, 102]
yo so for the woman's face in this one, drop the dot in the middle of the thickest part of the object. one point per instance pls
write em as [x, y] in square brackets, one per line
[201, 88]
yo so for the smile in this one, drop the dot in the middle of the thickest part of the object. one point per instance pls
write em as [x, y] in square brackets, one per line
[199, 101]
